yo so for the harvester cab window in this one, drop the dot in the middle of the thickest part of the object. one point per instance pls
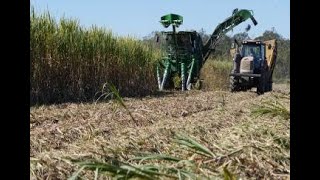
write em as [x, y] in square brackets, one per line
[184, 42]
[180, 40]
[169, 42]
[169, 39]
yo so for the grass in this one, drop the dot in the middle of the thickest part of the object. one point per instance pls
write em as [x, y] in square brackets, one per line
[272, 108]
[215, 74]
[225, 140]
[174, 166]
[126, 170]
[114, 93]
[71, 63]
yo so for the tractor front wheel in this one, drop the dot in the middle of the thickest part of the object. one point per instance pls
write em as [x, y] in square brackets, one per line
[234, 84]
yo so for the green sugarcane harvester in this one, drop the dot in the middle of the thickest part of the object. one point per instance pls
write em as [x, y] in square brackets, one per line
[185, 52]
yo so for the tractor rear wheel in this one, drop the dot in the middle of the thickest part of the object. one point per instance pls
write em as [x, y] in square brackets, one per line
[261, 88]
[268, 87]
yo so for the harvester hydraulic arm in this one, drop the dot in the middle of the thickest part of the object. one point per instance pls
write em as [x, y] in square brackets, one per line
[237, 17]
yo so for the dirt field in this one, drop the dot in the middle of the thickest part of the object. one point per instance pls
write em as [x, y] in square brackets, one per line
[252, 147]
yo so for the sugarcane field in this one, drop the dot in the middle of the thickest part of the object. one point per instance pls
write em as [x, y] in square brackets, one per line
[177, 94]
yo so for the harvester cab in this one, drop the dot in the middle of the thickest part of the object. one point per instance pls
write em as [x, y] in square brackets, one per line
[185, 53]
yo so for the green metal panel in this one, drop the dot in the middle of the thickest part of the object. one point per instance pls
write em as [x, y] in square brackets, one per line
[173, 19]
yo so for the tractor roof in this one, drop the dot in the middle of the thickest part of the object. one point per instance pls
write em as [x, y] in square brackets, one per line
[252, 42]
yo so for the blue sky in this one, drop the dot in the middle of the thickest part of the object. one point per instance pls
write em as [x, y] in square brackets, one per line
[139, 18]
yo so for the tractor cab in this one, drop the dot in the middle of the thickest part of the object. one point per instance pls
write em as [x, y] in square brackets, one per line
[254, 49]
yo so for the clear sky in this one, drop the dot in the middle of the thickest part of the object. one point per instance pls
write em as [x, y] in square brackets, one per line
[139, 18]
